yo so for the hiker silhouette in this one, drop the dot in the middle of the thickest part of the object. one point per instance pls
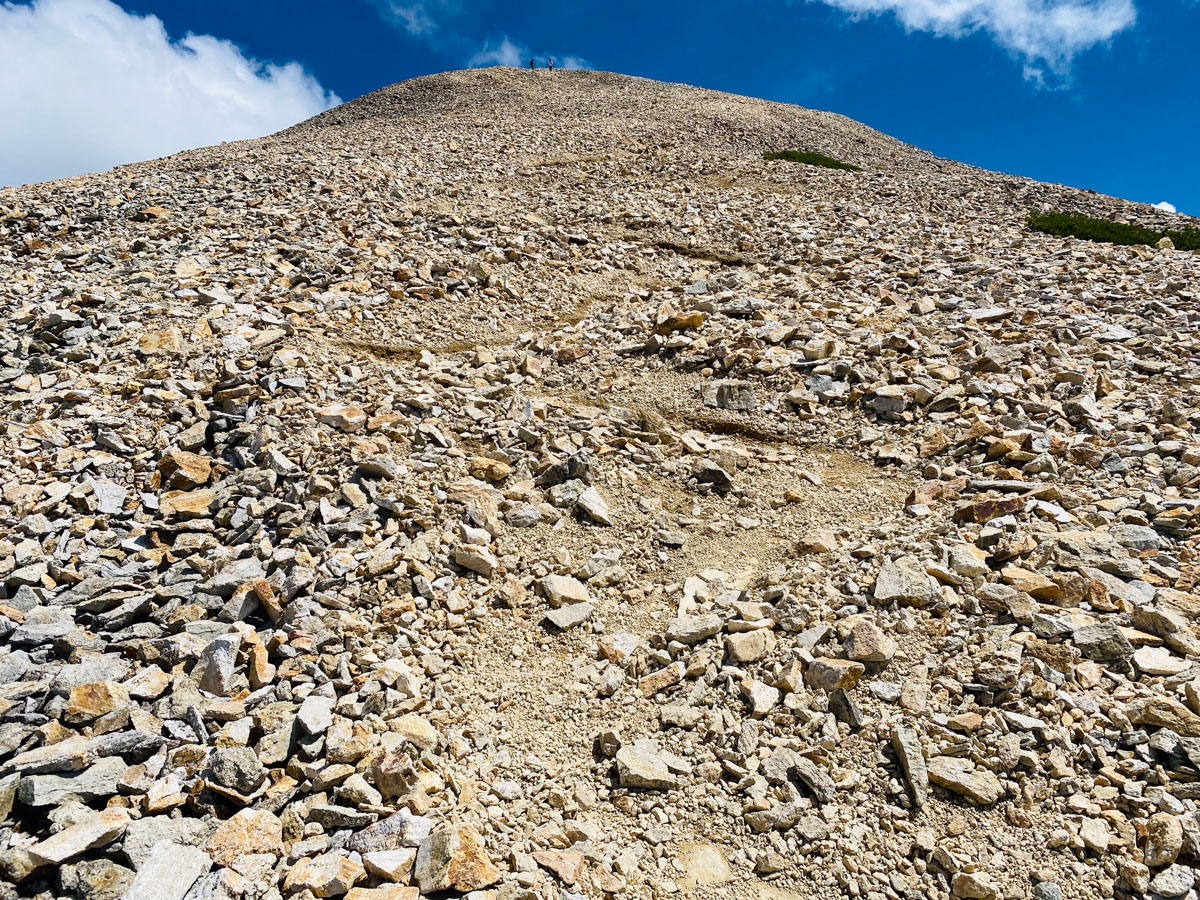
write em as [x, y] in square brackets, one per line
[550, 64]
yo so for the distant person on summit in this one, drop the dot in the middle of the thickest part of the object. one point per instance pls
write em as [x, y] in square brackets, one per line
[532, 65]
[550, 64]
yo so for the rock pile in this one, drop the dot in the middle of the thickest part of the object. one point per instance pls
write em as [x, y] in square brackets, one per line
[509, 484]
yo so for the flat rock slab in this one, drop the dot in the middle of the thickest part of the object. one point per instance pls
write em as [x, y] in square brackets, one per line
[169, 873]
[641, 766]
[703, 865]
[912, 760]
[962, 777]
[93, 831]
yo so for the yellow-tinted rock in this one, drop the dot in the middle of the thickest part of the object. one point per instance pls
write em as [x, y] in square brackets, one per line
[416, 731]
[831, 674]
[453, 858]
[327, 875]
[249, 831]
[703, 864]
[183, 470]
[388, 892]
[90, 701]
[343, 418]
[156, 342]
[489, 469]
[182, 505]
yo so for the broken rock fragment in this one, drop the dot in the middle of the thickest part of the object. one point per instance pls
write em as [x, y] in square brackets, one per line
[962, 777]
[639, 765]
[454, 858]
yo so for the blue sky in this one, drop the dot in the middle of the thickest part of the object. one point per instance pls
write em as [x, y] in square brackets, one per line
[1098, 94]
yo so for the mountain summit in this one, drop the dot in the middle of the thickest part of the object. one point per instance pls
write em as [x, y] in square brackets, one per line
[533, 485]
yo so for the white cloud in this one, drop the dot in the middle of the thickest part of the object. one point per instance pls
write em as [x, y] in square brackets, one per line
[89, 86]
[1165, 206]
[1046, 34]
[507, 53]
[572, 62]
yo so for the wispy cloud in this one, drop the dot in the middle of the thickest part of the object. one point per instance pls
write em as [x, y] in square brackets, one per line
[1165, 206]
[445, 25]
[100, 86]
[572, 62]
[506, 52]
[1045, 34]
[420, 19]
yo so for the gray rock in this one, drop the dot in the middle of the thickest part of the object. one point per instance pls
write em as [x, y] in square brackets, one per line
[95, 879]
[218, 885]
[826, 387]
[778, 818]
[733, 395]
[960, 776]
[1096, 550]
[316, 714]
[1173, 881]
[563, 590]
[868, 643]
[1190, 824]
[816, 779]
[8, 793]
[89, 670]
[237, 768]
[43, 625]
[477, 559]
[570, 616]
[94, 783]
[843, 705]
[1103, 642]
[234, 575]
[395, 832]
[749, 646]
[453, 859]
[169, 873]
[1136, 537]
[671, 537]
[110, 497]
[332, 817]
[777, 768]
[679, 716]
[96, 829]
[912, 760]
[693, 629]
[709, 472]
[27, 576]
[215, 668]
[904, 580]
[639, 765]
[379, 466]
[594, 507]
[143, 834]
[812, 829]
[523, 515]
[567, 493]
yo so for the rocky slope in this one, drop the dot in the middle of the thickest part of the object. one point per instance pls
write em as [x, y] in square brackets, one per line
[510, 484]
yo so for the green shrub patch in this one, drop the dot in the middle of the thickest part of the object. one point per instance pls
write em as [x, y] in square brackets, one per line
[811, 159]
[1104, 231]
